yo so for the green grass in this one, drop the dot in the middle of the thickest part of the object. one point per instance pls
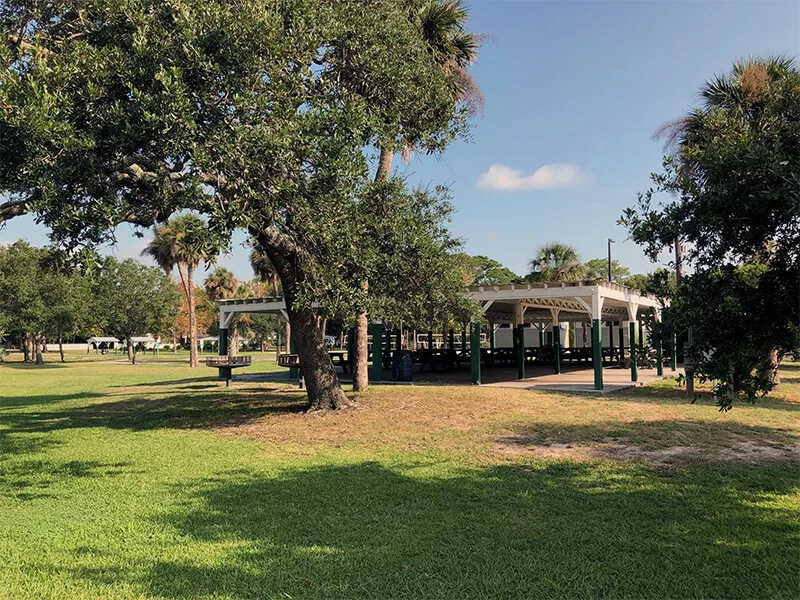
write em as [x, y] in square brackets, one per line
[144, 481]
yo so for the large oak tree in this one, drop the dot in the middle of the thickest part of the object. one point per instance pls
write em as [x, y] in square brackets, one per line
[130, 110]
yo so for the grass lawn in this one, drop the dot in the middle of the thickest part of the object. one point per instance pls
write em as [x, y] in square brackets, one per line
[121, 481]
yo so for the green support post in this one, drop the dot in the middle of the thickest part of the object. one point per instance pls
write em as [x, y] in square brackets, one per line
[673, 342]
[377, 352]
[492, 338]
[464, 338]
[520, 345]
[430, 339]
[640, 338]
[294, 372]
[611, 337]
[621, 344]
[223, 350]
[659, 356]
[597, 353]
[475, 352]
[634, 352]
[557, 348]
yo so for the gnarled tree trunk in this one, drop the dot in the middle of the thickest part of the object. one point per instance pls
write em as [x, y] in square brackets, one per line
[322, 383]
[38, 350]
[773, 375]
[131, 353]
[61, 346]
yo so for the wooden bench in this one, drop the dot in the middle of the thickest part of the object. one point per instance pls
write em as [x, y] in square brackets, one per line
[226, 364]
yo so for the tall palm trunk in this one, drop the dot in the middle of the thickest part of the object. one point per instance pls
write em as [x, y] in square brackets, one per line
[193, 360]
[233, 347]
[360, 371]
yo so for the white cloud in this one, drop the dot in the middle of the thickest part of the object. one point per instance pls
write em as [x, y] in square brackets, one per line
[552, 176]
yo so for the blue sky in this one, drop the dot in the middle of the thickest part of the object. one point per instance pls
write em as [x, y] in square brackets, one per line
[574, 92]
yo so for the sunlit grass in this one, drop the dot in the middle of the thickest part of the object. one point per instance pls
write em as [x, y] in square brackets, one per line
[156, 481]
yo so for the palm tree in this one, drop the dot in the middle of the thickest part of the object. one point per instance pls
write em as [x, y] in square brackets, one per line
[556, 262]
[264, 269]
[221, 284]
[182, 243]
[444, 28]
[743, 96]
[443, 24]
[266, 272]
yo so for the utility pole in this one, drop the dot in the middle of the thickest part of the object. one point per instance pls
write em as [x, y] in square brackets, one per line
[610, 241]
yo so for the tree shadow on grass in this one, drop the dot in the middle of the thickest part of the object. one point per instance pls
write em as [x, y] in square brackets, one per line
[33, 479]
[17, 401]
[522, 531]
[176, 411]
[29, 366]
[183, 383]
[12, 444]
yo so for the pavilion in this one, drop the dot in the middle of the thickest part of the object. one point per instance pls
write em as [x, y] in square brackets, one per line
[528, 317]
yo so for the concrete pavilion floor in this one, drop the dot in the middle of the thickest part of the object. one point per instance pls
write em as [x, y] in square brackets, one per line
[573, 378]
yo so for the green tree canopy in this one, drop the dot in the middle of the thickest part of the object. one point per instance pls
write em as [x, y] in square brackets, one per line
[597, 268]
[482, 270]
[41, 297]
[22, 295]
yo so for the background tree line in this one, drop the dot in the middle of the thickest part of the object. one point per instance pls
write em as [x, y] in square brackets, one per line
[43, 298]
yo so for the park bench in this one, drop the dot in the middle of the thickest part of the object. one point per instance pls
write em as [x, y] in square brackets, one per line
[226, 364]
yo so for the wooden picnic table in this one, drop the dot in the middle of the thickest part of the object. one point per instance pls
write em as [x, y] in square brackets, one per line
[435, 357]
[339, 358]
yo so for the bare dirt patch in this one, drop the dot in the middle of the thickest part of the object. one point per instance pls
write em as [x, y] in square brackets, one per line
[750, 452]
